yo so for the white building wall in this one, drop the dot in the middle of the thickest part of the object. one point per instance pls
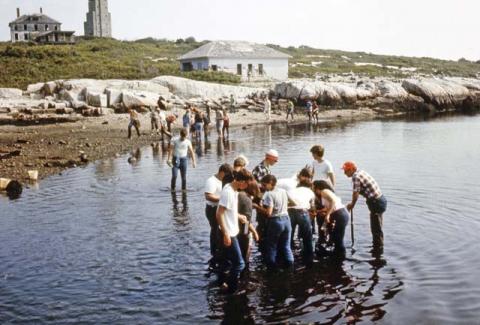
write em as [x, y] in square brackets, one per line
[276, 69]
[197, 64]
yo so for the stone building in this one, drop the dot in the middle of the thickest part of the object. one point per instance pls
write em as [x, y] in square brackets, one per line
[252, 62]
[99, 20]
[39, 28]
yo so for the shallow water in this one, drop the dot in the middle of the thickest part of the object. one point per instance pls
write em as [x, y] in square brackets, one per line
[109, 244]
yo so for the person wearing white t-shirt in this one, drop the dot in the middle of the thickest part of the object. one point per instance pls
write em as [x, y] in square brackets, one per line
[228, 218]
[301, 203]
[178, 157]
[213, 189]
[322, 169]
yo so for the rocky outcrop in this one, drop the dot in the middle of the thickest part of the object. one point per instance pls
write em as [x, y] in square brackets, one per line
[439, 92]
[188, 89]
[10, 93]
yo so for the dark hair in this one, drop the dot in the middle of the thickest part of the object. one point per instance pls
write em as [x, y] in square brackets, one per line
[227, 179]
[322, 185]
[242, 175]
[14, 189]
[269, 179]
[306, 172]
[225, 168]
[183, 133]
[318, 150]
[253, 189]
[305, 183]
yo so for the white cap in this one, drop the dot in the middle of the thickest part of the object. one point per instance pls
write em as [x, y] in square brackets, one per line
[272, 153]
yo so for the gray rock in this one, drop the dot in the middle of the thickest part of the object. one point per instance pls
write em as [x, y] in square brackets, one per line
[10, 93]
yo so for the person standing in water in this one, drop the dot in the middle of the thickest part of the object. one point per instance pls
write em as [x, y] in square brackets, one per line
[178, 159]
[134, 122]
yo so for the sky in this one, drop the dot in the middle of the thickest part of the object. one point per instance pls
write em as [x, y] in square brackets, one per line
[447, 29]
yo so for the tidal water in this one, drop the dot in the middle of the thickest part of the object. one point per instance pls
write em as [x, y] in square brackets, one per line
[109, 244]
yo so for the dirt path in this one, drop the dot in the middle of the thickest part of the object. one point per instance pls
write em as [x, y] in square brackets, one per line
[50, 149]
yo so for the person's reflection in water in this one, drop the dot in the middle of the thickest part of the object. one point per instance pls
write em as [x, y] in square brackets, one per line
[199, 148]
[155, 150]
[220, 147]
[181, 217]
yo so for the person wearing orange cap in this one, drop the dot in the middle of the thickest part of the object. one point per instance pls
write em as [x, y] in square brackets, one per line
[365, 185]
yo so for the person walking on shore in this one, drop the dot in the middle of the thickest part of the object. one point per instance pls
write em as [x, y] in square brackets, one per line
[335, 216]
[309, 110]
[315, 111]
[366, 186]
[228, 219]
[134, 122]
[267, 109]
[178, 159]
[290, 109]
[213, 189]
[154, 119]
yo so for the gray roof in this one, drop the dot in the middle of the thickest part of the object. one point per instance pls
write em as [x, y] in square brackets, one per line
[34, 19]
[234, 49]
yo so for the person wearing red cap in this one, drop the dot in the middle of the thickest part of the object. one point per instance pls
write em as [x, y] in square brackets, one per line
[365, 185]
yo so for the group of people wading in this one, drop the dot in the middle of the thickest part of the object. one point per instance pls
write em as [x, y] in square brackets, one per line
[282, 205]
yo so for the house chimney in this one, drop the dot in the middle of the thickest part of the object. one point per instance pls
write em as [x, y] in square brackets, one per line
[18, 12]
[41, 10]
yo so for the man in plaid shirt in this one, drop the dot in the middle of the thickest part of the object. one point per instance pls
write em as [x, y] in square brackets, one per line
[263, 169]
[365, 185]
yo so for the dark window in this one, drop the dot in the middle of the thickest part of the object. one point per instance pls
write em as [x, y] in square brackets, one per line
[36, 27]
[214, 67]
[239, 69]
[46, 27]
[250, 68]
[25, 27]
[25, 37]
[16, 27]
[16, 36]
[187, 66]
[56, 27]
[260, 69]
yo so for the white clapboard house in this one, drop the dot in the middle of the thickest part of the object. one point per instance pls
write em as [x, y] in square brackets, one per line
[249, 60]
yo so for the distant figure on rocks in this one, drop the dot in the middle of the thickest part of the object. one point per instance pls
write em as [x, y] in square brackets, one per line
[134, 122]
[178, 159]
[219, 121]
[12, 188]
[290, 108]
[226, 124]
[233, 102]
[267, 109]
[365, 185]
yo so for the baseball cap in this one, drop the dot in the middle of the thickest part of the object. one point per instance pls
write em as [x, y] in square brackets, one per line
[349, 165]
[272, 153]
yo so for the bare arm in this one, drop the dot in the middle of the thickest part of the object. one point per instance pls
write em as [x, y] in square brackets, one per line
[331, 176]
[328, 196]
[169, 155]
[192, 155]
[351, 205]
[212, 197]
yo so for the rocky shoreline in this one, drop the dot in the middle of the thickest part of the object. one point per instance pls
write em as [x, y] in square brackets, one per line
[63, 124]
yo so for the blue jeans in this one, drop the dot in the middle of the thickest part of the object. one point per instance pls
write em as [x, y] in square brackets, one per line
[277, 241]
[302, 219]
[179, 163]
[341, 221]
[234, 256]
[377, 207]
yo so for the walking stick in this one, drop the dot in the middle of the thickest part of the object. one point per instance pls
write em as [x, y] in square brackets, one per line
[351, 227]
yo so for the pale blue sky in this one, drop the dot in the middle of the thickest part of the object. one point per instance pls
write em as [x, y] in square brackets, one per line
[444, 29]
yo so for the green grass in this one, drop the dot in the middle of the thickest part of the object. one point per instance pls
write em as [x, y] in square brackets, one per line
[23, 64]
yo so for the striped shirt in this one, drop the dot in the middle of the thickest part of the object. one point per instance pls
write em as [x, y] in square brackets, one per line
[364, 184]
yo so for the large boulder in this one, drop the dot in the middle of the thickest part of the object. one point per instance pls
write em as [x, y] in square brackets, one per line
[391, 90]
[114, 96]
[10, 93]
[96, 99]
[49, 88]
[188, 89]
[441, 93]
[35, 88]
[139, 100]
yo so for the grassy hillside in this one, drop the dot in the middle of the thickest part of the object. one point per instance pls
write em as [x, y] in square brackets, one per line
[22, 64]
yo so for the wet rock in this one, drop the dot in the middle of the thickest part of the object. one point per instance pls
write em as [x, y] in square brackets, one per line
[132, 160]
[62, 142]
[96, 99]
[35, 88]
[83, 158]
[10, 93]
